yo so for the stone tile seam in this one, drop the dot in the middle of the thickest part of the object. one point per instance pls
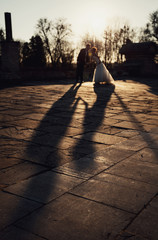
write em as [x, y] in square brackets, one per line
[20, 227]
[98, 202]
[27, 178]
[19, 219]
[124, 178]
[132, 235]
[136, 215]
[132, 179]
[26, 198]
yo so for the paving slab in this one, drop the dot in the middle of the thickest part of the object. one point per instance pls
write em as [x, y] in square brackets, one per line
[13, 112]
[154, 130]
[95, 163]
[12, 147]
[102, 138]
[127, 182]
[146, 155]
[135, 126]
[107, 130]
[63, 156]
[86, 147]
[5, 118]
[16, 173]
[8, 161]
[18, 234]
[118, 196]
[127, 117]
[36, 116]
[138, 170]
[70, 217]
[80, 161]
[125, 235]
[82, 166]
[111, 155]
[109, 121]
[70, 170]
[26, 123]
[146, 222]
[152, 121]
[134, 144]
[17, 133]
[13, 208]
[57, 129]
[153, 145]
[127, 133]
[45, 187]
[53, 140]
[26, 151]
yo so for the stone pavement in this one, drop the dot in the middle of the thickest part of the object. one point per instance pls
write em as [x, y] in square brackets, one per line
[79, 162]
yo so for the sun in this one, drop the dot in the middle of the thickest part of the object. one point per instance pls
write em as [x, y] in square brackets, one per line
[98, 27]
[94, 23]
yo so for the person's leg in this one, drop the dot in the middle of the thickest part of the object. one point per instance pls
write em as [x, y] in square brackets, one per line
[77, 73]
[81, 72]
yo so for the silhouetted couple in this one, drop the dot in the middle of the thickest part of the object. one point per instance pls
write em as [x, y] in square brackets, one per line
[101, 74]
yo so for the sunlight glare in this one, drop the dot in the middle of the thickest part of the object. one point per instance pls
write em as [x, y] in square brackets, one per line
[95, 27]
[94, 20]
[98, 27]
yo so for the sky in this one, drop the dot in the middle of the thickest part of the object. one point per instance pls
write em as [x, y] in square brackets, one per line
[85, 16]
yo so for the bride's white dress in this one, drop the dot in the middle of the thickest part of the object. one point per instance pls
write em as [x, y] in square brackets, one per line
[101, 73]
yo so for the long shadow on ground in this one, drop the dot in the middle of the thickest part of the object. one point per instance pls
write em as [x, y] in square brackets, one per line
[103, 95]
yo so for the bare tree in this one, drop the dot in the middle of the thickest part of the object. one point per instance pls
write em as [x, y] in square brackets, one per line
[55, 36]
[113, 41]
[32, 52]
[150, 32]
[108, 48]
[2, 34]
[61, 42]
[45, 30]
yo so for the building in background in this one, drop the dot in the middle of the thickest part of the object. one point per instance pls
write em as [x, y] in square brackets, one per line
[10, 52]
[140, 58]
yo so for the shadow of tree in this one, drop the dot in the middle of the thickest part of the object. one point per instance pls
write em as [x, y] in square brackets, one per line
[146, 136]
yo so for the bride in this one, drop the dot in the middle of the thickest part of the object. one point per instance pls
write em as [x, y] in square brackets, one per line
[101, 74]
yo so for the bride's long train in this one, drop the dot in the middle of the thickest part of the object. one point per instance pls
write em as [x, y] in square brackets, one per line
[102, 75]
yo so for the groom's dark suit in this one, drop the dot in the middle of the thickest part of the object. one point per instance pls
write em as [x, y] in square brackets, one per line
[81, 61]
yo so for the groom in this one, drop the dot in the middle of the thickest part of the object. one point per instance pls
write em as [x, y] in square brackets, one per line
[82, 59]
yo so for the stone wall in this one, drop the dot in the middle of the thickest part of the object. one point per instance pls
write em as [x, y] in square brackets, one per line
[10, 56]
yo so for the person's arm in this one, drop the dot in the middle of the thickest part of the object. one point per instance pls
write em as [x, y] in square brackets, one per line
[80, 55]
[96, 58]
